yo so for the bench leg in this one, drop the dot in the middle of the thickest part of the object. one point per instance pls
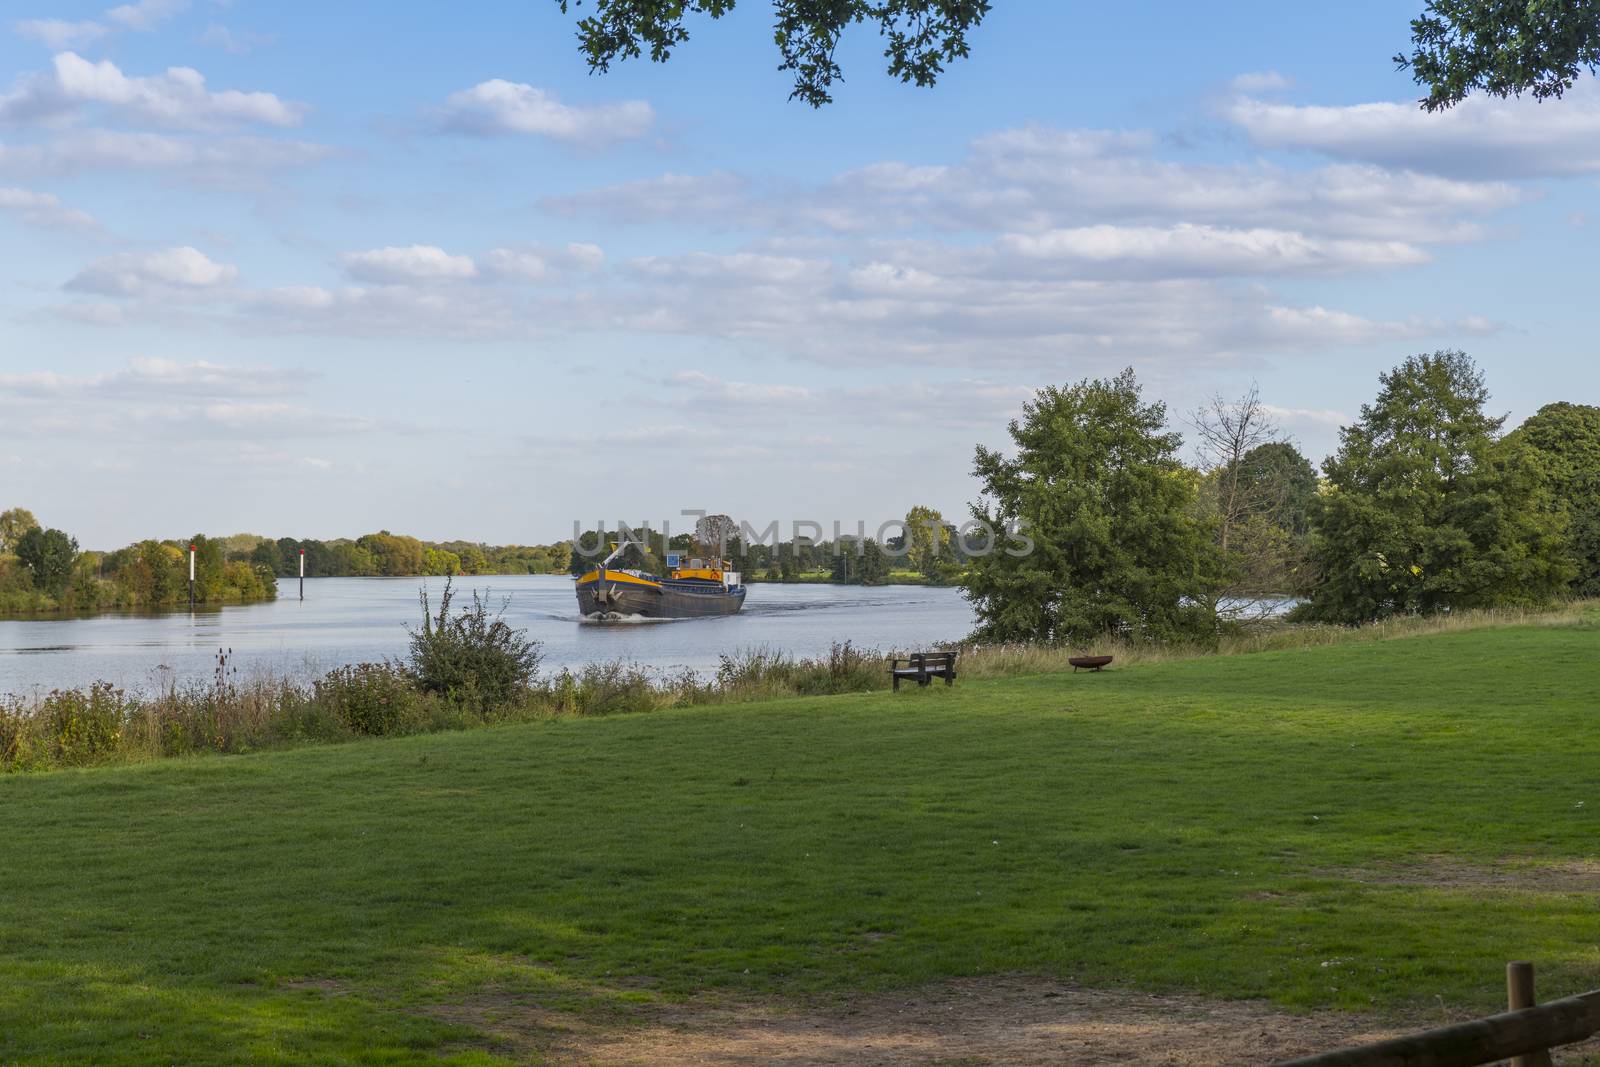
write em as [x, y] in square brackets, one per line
[949, 679]
[897, 683]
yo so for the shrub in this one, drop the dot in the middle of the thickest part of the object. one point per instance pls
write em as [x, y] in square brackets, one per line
[368, 698]
[84, 724]
[473, 657]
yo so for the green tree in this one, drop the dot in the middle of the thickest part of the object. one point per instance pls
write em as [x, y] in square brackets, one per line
[394, 556]
[1501, 47]
[1422, 513]
[441, 562]
[1280, 474]
[553, 559]
[929, 538]
[210, 567]
[13, 524]
[589, 548]
[239, 546]
[922, 35]
[1117, 545]
[269, 556]
[48, 556]
[859, 561]
[1564, 440]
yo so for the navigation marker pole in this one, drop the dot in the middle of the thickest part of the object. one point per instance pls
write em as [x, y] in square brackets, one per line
[302, 574]
[191, 577]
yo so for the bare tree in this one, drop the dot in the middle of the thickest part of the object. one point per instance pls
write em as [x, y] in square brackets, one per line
[1228, 430]
[1256, 555]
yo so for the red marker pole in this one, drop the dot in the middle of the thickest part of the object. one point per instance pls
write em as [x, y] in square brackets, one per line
[191, 577]
[302, 574]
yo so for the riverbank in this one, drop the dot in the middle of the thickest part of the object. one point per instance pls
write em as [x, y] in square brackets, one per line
[1323, 826]
[230, 713]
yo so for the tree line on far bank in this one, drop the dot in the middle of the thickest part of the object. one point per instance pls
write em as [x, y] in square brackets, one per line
[1427, 507]
[43, 570]
[388, 555]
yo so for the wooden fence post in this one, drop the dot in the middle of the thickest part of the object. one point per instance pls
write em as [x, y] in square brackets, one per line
[1519, 994]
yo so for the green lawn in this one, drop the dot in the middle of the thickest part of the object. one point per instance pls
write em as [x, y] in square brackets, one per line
[1305, 826]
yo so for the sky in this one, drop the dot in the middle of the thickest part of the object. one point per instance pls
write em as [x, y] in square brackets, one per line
[314, 270]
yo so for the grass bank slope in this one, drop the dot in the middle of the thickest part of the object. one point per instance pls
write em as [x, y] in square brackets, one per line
[1377, 824]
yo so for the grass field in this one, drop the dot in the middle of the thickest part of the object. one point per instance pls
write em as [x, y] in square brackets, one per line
[1379, 824]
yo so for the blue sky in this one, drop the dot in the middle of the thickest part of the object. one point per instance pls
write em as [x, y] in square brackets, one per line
[301, 271]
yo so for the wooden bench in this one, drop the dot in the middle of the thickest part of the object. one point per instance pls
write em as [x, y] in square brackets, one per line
[924, 667]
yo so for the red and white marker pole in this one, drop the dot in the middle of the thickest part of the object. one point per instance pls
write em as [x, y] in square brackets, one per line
[191, 577]
[302, 574]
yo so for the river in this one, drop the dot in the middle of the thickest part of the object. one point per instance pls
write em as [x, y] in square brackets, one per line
[351, 620]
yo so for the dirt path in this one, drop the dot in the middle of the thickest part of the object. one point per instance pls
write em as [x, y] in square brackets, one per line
[1006, 1022]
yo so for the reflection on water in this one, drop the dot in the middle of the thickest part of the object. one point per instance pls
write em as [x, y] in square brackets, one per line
[349, 620]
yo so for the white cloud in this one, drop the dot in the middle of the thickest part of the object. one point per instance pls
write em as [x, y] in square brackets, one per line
[457, 312]
[1186, 249]
[198, 159]
[1032, 180]
[1041, 250]
[581, 255]
[707, 388]
[1480, 137]
[958, 402]
[503, 107]
[415, 263]
[137, 274]
[154, 399]
[670, 196]
[151, 377]
[178, 97]
[44, 209]
[146, 14]
[59, 34]
[535, 263]
[738, 268]
[409, 290]
[281, 419]
[897, 311]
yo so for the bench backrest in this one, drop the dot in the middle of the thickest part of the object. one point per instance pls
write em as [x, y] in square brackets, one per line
[931, 660]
